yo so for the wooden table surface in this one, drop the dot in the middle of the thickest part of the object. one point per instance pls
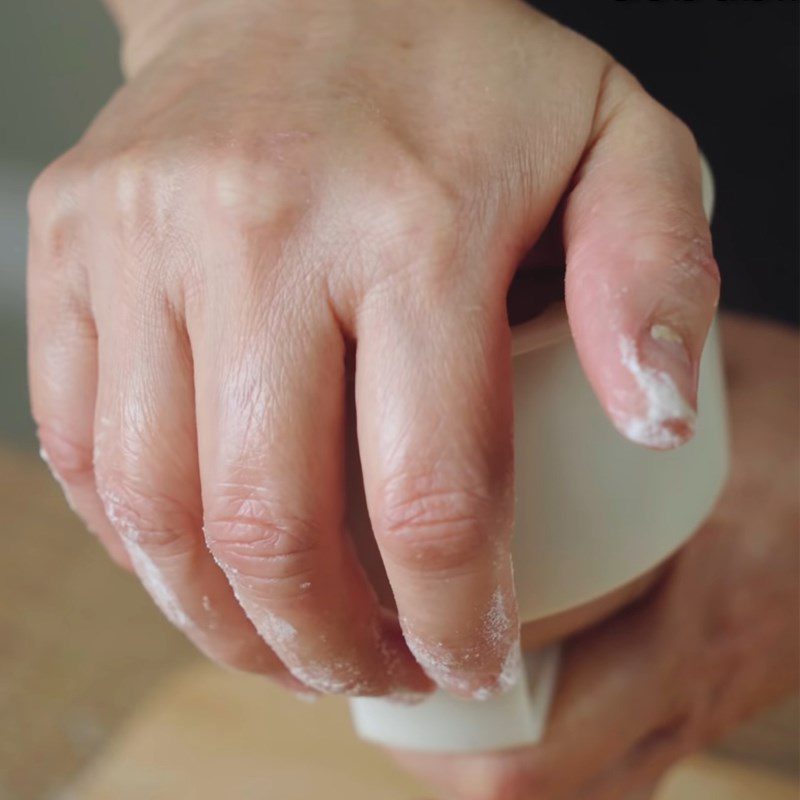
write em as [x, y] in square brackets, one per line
[84, 657]
[208, 734]
[80, 645]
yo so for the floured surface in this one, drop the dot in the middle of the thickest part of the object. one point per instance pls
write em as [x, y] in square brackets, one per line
[208, 734]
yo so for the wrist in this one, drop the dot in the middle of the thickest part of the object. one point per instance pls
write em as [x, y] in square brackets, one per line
[144, 25]
[147, 27]
[138, 18]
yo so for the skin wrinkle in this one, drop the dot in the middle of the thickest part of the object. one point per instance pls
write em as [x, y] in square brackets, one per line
[267, 526]
[264, 573]
[258, 525]
[254, 557]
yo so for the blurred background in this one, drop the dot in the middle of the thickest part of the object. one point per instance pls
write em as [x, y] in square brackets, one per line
[81, 647]
[58, 65]
[79, 642]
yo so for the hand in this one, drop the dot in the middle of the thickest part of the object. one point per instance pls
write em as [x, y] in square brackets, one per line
[280, 184]
[716, 641]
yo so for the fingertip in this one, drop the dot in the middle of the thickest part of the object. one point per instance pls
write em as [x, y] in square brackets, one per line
[506, 678]
[484, 666]
[382, 666]
[408, 684]
[656, 403]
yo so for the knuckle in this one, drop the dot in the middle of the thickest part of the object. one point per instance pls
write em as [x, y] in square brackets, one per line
[254, 193]
[40, 194]
[149, 196]
[689, 261]
[705, 267]
[150, 193]
[427, 526]
[257, 540]
[417, 223]
[678, 240]
[71, 461]
[53, 214]
[50, 190]
[155, 523]
[617, 78]
[657, 118]
[679, 226]
[137, 183]
[260, 192]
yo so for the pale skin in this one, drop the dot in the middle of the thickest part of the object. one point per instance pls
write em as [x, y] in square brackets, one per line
[713, 642]
[280, 187]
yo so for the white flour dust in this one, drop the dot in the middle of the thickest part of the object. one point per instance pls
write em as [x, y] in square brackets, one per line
[153, 580]
[445, 668]
[664, 404]
[148, 571]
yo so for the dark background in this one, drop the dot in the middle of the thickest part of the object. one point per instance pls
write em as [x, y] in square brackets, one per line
[729, 68]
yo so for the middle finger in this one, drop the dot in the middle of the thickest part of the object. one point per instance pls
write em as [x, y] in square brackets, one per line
[271, 418]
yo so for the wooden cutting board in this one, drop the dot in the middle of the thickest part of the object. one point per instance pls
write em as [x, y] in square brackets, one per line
[208, 734]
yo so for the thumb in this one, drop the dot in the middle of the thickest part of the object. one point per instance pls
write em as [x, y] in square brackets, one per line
[641, 284]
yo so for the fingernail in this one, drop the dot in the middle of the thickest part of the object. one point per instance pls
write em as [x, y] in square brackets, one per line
[663, 414]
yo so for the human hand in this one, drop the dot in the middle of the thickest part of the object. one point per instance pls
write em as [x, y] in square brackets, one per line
[280, 184]
[716, 641]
